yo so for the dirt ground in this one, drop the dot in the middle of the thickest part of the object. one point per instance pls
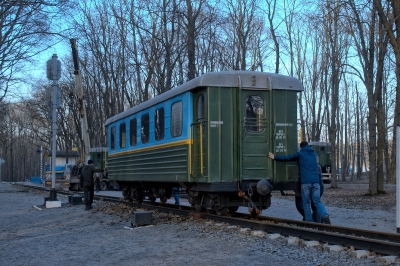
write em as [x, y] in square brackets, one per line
[30, 234]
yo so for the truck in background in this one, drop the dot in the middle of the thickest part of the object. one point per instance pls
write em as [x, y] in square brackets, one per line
[67, 170]
[68, 175]
[99, 158]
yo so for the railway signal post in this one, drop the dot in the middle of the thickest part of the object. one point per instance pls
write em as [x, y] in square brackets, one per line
[398, 178]
[54, 74]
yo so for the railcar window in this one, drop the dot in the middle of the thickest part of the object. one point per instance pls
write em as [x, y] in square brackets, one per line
[159, 124]
[122, 135]
[133, 131]
[255, 119]
[176, 119]
[112, 138]
[200, 108]
[145, 128]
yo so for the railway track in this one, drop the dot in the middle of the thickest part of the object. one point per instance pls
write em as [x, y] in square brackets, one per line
[379, 242]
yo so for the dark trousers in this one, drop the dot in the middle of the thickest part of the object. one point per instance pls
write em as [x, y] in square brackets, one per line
[88, 192]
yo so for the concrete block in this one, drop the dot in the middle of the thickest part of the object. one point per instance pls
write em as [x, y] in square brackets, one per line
[312, 243]
[293, 240]
[388, 259]
[333, 248]
[53, 204]
[258, 233]
[75, 199]
[141, 218]
[244, 230]
[273, 236]
[232, 227]
[360, 254]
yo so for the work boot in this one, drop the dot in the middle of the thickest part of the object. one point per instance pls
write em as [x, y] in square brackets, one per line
[87, 208]
[326, 220]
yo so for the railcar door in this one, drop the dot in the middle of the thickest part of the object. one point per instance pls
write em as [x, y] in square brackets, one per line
[254, 133]
[198, 172]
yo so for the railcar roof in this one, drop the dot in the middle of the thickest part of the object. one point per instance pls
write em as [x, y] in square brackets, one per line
[248, 79]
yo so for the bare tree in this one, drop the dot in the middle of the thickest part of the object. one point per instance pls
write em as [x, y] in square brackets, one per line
[243, 17]
[336, 50]
[271, 9]
[26, 29]
[389, 13]
[364, 39]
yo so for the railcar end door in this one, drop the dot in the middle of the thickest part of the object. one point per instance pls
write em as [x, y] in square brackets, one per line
[255, 132]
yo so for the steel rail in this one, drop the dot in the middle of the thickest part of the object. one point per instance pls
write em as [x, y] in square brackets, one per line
[379, 242]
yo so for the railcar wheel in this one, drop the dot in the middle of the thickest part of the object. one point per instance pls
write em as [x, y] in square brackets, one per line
[163, 200]
[153, 199]
[103, 186]
[221, 211]
[140, 199]
[232, 209]
[254, 212]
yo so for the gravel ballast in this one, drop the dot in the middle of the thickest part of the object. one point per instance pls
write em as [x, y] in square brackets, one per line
[69, 235]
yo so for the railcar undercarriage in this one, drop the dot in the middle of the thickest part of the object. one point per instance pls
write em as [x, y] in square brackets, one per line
[256, 196]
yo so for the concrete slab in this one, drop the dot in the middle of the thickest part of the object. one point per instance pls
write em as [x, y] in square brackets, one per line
[311, 243]
[360, 254]
[53, 204]
[293, 240]
[388, 259]
[244, 230]
[273, 236]
[258, 233]
[333, 248]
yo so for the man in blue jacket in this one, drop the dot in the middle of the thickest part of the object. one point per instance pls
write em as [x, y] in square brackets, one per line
[310, 187]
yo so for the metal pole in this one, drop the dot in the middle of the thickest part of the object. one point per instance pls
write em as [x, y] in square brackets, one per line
[41, 162]
[398, 178]
[53, 192]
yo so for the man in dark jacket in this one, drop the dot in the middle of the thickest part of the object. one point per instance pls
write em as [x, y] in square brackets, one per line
[88, 183]
[310, 188]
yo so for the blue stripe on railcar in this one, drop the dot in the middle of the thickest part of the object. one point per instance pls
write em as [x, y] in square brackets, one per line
[187, 114]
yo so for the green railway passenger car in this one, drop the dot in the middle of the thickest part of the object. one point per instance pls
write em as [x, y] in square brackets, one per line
[211, 137]
[323, 151]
